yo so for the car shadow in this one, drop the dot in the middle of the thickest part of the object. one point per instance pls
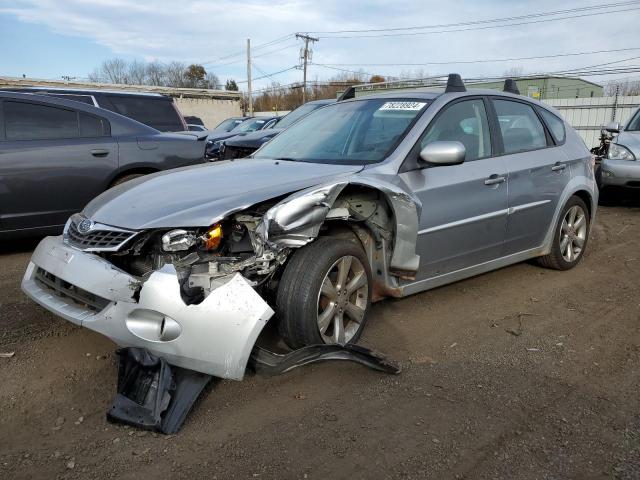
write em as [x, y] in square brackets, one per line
[619, 197]
[18, 245]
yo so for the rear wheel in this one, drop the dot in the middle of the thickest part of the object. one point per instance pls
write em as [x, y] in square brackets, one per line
[324, 294]
[570, 238]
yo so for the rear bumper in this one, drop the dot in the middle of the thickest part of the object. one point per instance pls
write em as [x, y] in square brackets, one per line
[214, 337]
[622, 173]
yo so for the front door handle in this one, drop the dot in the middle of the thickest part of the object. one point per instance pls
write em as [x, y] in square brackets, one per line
[558, 167]
[100, 152]
[495, 179]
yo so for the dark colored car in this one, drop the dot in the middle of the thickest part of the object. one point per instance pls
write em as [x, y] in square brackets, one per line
[243, 146]
[155, 110]
[229, 124]
[252, 124]
[56, 155]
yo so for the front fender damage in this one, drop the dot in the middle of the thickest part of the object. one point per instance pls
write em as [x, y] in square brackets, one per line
[297, 220]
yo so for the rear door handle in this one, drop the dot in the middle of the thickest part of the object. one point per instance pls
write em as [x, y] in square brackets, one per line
[495, 179]
[100, 152]
[558, 167]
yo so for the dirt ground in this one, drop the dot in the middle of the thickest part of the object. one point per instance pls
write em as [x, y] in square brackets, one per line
[523, 373]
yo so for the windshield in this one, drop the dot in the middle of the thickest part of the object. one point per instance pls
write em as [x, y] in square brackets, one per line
[251, 125]
[358, 132]
[228, 125]
[634, 124]
[297, 114]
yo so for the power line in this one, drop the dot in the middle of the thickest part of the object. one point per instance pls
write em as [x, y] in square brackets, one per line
[258, 47]
[479, 22]
[270, 74]
[477, 28]
[491, 60]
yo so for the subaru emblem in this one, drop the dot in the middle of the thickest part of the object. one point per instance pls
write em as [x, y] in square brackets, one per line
[85, 226]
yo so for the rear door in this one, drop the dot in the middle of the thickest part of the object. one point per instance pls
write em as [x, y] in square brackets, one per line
[53, 160]
[538, 172]
[464, 207]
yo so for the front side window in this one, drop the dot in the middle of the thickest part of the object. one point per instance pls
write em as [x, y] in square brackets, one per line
[520, 127]
[297, 114]
[357, 132]
[634, 123]
[465, 122]
[30, 121]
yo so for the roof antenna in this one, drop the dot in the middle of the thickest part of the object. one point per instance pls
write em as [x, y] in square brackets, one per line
[348, 94]
[511, 86]
[454, 84]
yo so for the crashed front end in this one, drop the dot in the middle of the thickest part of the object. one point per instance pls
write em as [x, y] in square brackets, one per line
[188, 295]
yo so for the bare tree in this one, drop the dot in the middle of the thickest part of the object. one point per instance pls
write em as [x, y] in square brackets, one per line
[622, 87]
[514, 72]
[155, 74]
[137, 73]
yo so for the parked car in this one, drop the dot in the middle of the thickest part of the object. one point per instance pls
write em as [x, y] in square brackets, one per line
[380, 196]
[245, 145]
[620, 167]
[252, 124]
[57, 154]
[229, 124]
[154, 110]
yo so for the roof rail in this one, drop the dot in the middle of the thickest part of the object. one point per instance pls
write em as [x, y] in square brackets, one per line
[349, 93]
[455, 84]
[510, 86]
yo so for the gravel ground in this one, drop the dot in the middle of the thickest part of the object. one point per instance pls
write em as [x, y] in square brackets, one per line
[522, 373]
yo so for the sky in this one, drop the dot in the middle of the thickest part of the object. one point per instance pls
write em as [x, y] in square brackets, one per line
[52, 38]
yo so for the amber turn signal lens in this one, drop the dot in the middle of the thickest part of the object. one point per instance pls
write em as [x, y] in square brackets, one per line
[213, 237]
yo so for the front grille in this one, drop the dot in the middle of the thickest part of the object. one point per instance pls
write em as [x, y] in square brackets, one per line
[62, 289]
[97, 240]
[235, 152]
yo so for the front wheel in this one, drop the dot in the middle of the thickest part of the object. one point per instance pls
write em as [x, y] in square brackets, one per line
[570, 237]
[324, 294]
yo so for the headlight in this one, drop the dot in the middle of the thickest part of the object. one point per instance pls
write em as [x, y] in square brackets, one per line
[178, 240]
[618, 152]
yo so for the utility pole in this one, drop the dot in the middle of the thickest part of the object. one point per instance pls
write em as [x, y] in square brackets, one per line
[249, 76]
[305, 58]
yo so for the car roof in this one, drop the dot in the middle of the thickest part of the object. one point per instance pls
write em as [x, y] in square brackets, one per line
[78, 91]
[324, 101]
[125, 123]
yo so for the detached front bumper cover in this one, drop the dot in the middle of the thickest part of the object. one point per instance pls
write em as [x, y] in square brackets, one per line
[214, 337]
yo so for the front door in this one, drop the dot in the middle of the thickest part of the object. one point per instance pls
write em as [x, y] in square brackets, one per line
[52, 162]
[464, 207]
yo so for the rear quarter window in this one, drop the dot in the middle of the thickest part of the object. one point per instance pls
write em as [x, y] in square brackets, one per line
[158, 113]
[92, 126]
[555, 124]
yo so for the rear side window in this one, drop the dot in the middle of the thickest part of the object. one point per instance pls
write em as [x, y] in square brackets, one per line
[520, 126]
[555, 124]
[465, 122]
[29, 121]
[91, 126]
[157, 113]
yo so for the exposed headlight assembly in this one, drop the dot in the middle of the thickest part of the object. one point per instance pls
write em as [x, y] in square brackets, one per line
[178, 240]
[618, 152]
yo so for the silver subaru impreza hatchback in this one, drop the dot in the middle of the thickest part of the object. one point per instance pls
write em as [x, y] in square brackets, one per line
[379, 196]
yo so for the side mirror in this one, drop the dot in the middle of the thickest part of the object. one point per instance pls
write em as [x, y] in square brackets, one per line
[443, 153]
[613, 127]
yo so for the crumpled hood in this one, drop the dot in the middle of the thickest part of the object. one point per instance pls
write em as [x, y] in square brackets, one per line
[201, 195]
[631, 140]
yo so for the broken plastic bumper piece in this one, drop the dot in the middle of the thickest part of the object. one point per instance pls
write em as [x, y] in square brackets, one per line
[214, 337]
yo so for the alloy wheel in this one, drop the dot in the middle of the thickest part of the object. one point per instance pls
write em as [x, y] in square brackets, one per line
[573, 233]
[342, 300]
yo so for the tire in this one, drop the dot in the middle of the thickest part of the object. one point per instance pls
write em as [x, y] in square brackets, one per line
[125, 178]
[569, 241]
[301, 301]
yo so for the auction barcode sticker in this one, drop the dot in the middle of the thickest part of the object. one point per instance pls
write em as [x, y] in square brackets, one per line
[403, 106]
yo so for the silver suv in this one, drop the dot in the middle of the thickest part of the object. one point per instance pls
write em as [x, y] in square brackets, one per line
[381, 196]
